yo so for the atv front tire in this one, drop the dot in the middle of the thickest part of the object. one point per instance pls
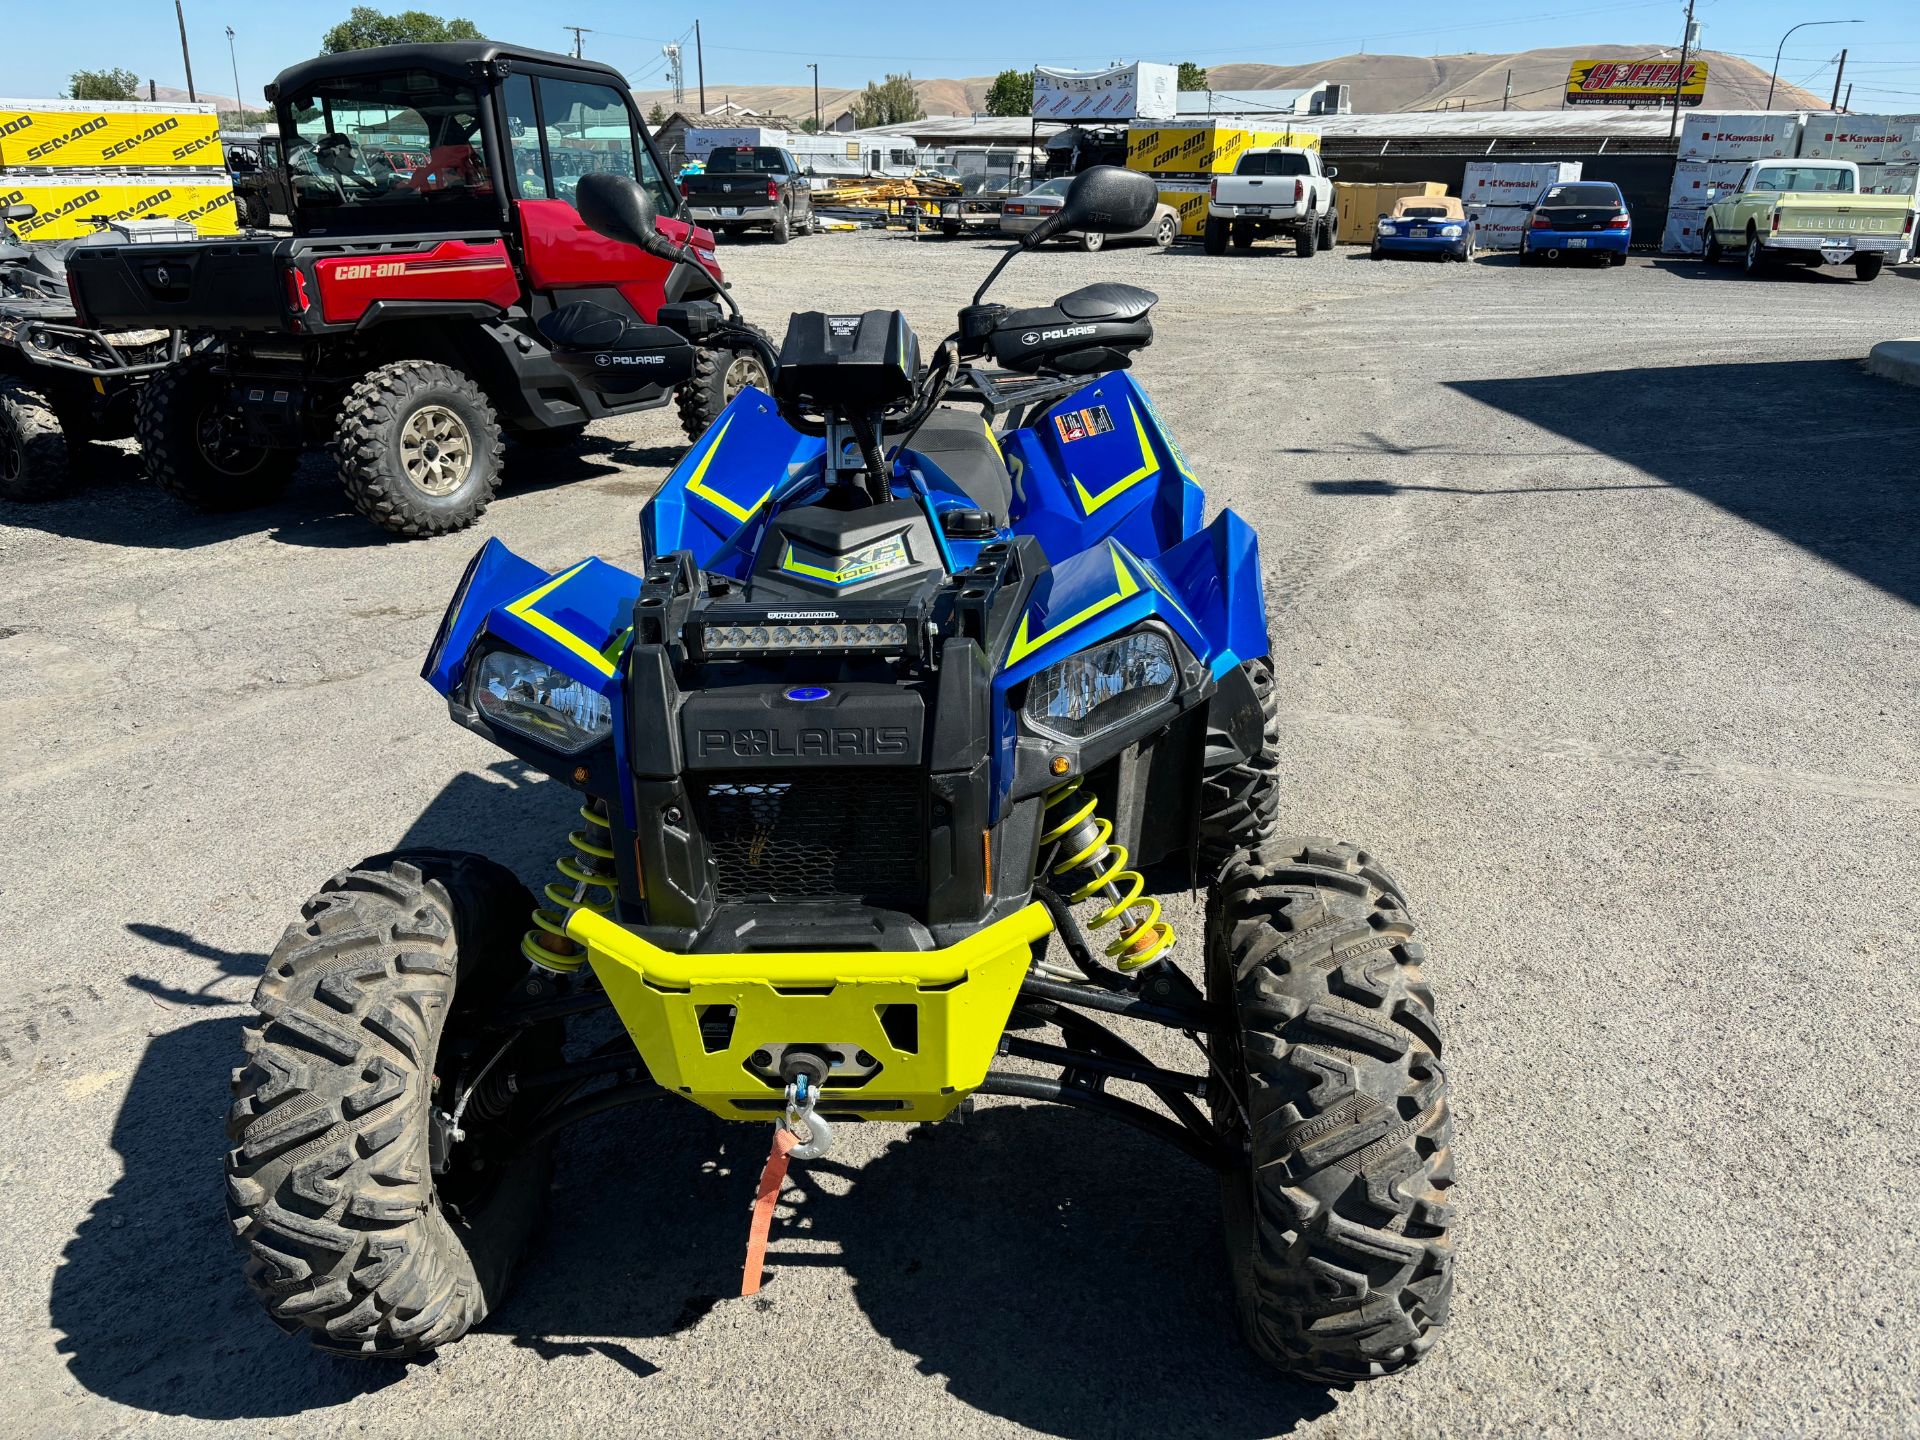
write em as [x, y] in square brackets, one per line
[1337, 1223]
[720, 372]
[364, 1011]
[33, 450]
[419, 448]
[193, 447]
[1240, 803]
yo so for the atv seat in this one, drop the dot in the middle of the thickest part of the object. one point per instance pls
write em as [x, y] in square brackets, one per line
[957, 441]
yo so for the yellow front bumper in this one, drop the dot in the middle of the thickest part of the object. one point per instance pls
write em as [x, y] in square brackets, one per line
[961, 997]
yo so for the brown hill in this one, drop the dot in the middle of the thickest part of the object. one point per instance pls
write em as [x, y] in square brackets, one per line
[1381, 83]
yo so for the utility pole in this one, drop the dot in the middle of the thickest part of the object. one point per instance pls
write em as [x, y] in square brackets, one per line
[1846, 105]
[700, 66]
[181, 16]
[578, 31]
[1689, 39]
[239, 101]
[1835, 103]
[814, 66]
[1506, 100]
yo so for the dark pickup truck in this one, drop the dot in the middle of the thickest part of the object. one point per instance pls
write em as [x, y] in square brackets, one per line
[750, 187]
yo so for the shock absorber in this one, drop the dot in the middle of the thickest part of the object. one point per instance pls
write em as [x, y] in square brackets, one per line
[588, 884]
[1083, 837]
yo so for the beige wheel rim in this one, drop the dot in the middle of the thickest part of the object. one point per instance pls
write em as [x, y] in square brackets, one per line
[436, 450]
[744, 371]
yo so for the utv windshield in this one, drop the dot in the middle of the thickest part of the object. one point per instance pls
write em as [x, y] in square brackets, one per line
[387, 152]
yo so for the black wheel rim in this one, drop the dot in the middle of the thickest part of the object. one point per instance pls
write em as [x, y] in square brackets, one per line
[217, 435]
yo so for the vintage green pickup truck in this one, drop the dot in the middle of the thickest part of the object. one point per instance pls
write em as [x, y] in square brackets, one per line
[1807, 212]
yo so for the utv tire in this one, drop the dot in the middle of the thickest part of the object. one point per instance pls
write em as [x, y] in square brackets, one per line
[33, 449]
[781, 230]
[194, 450]
[1240, 803]
[366, 1005]
[719, 375]
[1214, 237]
[950, 228]
[1306, 240]
[419, 448]
[1337, 1225]
[255, 213]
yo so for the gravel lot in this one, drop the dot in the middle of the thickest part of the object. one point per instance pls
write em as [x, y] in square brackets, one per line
[1593, 598]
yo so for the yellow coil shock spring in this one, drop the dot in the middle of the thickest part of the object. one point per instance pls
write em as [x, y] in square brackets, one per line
[589, 885]
[1083, 836]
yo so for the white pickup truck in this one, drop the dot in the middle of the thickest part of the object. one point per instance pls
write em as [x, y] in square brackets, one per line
[1283, 191]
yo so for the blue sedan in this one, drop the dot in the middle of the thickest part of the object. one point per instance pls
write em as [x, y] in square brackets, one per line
[1577, 218]
[1425, 225]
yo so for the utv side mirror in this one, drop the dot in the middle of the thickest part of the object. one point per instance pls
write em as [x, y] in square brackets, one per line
[621, 209]
[1105, 200]
[20, 212]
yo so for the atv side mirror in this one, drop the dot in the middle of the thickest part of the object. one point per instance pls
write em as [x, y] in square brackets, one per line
[1105, 200]
[620, 208]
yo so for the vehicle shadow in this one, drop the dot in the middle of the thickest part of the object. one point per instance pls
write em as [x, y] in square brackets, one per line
[965, 1243]
[1695, 267]
[1817, 451]
[118, 506]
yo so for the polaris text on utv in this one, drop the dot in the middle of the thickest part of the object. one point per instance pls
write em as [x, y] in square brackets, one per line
[927, 665]
[433, 228]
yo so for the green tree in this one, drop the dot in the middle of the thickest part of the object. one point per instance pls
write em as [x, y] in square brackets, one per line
[1192, 76]
[887, 103]
[366, 27]
[657, 115]
[810, 126]
[103, 85]
[1011, 93]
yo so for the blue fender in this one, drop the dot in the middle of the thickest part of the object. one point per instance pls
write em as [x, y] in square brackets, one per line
[722, 485]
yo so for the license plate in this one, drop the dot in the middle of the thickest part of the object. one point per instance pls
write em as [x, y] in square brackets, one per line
[1835, 254]
[1253, 209]
[1421, 235]
[729, 209]
[1576, 244]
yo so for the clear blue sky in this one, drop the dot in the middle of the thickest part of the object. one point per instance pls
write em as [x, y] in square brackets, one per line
[755, 43]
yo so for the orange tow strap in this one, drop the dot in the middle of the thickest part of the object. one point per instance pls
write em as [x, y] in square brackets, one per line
[771, 1179]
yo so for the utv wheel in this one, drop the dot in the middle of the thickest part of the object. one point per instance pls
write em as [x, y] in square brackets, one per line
[1214, 237]
[254, 212]
[367, 1036]
[1239, 804]
[1337, 1226]
[33, 451]
[719, 374]
[1306, 240]
[950, 228]
[1868, 267]
[193, 445]
[419, 448]
[782, 228]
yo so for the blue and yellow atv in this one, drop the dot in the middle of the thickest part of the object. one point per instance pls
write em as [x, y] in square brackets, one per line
[933, 671]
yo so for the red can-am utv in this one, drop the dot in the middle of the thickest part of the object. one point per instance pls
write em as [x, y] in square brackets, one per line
[433, 227]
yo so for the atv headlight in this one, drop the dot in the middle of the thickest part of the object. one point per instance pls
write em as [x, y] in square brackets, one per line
[1102, 687]
[531, 698]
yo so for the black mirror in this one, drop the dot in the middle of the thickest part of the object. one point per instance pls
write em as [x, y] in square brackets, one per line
[1332, 172]
[620, 208]
[1104, 200]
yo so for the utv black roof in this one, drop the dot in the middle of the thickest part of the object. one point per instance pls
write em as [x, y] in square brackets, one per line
[458, 58]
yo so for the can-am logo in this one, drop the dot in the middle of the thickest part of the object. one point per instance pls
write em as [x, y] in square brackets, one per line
[79, 132]
[385, 270]
[1065, 332]
[134, 142]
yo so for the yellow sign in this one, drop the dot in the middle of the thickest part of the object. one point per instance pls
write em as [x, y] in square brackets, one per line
[1635, 82]
[1189, 201]
[1204, 149]
[73, 135]
[68, 206]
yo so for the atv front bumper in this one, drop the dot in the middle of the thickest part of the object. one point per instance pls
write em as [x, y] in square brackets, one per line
[931, 1019]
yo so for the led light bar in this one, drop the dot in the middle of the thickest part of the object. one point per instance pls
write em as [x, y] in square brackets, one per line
[774, 636]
